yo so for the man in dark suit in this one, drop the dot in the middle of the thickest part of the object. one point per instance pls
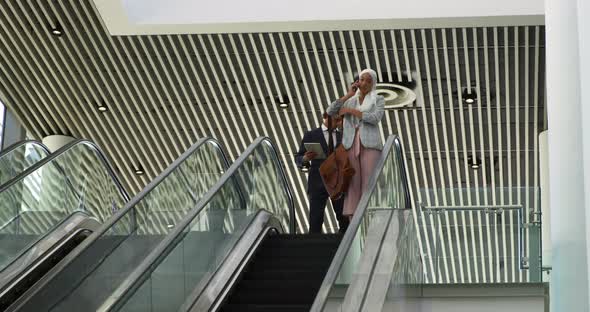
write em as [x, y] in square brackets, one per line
[316, 192]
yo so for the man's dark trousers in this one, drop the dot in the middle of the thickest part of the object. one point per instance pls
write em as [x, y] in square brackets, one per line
[316, 192]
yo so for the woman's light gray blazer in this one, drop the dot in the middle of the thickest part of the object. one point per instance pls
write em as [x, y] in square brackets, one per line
[368, 125]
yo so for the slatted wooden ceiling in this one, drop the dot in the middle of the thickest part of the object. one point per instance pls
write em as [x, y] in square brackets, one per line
[163, 92]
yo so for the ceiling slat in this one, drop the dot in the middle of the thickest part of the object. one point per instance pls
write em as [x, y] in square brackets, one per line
[461, 134]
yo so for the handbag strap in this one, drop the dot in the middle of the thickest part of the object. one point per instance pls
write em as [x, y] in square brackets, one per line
[330, 137]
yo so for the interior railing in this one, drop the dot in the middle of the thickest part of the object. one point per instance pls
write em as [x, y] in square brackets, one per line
[481, 244]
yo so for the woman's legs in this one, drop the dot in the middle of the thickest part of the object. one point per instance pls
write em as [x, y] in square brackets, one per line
[364, 167]
[369, 158]
[354, 192]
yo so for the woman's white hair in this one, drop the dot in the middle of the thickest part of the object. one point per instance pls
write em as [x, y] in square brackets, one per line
[373, 75]
[371, 97]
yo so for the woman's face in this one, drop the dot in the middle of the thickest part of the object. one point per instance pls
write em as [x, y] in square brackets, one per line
[365, 83]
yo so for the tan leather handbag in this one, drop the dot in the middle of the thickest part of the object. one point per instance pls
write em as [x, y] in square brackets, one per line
[336, 171]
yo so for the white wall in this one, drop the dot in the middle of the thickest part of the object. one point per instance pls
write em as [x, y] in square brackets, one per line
[568, 142]
[545, 212]
[583, 12]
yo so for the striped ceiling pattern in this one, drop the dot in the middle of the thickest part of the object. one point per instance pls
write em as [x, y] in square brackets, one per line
[163, 92]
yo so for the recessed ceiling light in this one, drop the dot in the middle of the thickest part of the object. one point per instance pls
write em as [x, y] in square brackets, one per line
[57, 30]
[139, 170]
[283, 101]
[474, 162]
[102, 106]
[469, 95]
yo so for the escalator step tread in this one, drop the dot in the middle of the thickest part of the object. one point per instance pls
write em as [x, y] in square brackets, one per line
[265, 308]
[290, 252]
[284, 274]
[274, 285]
[307, 236]
[292, 264]
[299, 296]
[298, 242]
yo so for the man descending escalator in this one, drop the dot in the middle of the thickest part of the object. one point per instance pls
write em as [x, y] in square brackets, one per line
[311, 160]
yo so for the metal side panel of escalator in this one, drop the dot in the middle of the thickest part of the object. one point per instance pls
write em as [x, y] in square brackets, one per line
[38, 258]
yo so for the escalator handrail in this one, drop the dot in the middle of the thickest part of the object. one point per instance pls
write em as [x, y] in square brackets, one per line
[399, 151]
[61, 151]
[16, 145]
[167, 244]
[393, 142]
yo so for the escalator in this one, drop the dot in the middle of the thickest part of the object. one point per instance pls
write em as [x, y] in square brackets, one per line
[234, 247]
[260, 264]
[275, 271]
[94, 267]
[49, 208]
[328, 272]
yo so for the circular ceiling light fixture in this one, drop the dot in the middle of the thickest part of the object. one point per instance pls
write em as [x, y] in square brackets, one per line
[396, 96]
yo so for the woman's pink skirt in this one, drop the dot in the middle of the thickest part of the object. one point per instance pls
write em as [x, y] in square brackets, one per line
[363, 160]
